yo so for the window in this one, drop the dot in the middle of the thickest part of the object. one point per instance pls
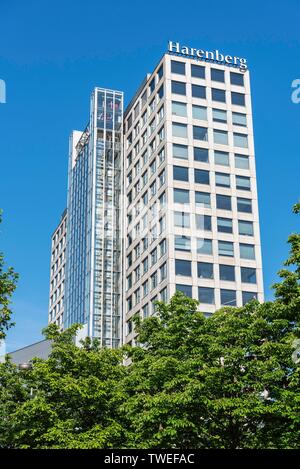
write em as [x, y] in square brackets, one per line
[153, 280]
[160, 113]
[203, 222]
[197, 71]
[145, 265]
[145, 311]
[178, 67]
[181, 196]
[219, 115]
[160, 72]
[201, 176]
[145, 244]
[204, 246]
[182, 243]
[226, 248]
[183, 267]
[161, 156]
[227, 272]
[186, 289]
[221, 136]
[243, 183]
[152, 85]
[248, 275]
[240, 140]
[129, 281]
[244, 205]
[241, 161]
[182, 219]
[180, 151]
[201, 154]
[224, 225]
[199, 112]
[162, 178]
[161, 134]
[237, 99]
[248, 296]
[202, 199]
[239, 119]
[223, 202]
[206, 295]
[236, 79]
[163, 272]
[218, 95]
[200, 133]
[129, 303]
[145, 288]
[180, 173]
[198, 91]
[160, 92]
[247, 251]
[228, 297]
[217, 75]
[153, 189]
[222, 180]
[245, 228]
[179, 130]
[163, 247]
[205, 270]
[178, 109]
[178, 87]
[221, 158]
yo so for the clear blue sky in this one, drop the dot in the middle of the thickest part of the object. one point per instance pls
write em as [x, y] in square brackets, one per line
[52, 54]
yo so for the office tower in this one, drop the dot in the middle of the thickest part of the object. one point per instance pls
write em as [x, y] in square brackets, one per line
[94, 245]
[191, 215]
[57, 272]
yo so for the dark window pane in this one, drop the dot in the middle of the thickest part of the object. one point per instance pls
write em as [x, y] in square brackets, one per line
[206, 295]
[244, 205]
[217, 75]
[183, 267]
[181, 196]
[201, 154]
[205, 270]
[186, 289]
[228, 297]
[218, 95]
[198, 91]
[238, 99]
[152, 85]
[224, 225]
[177, 67]
[201, 176]
[243, 183]
[178, 87]
[180, 173]
[248, 275]
[203, 222]
[198, 71]
[222, 179]
[248, 296]
[227, 272]
[236, 79]
[245, 228]
[200, 133]
[160, 72]
[223, 202]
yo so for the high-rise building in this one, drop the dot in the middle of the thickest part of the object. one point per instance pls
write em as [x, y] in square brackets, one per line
[174, 207]
[57, 272]
[191, 212]
[94, 247]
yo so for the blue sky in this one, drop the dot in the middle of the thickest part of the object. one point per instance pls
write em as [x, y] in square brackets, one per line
[53, 53]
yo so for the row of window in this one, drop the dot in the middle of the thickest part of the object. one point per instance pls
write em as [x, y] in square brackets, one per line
[216, 94]
[200, 113]
[225, 248]
[199, 71]
[202, 176]
[150, 284]
[143, 267]
[205, 270]
[206, 295]
[144, 120]
[203, 222]
[202, 133]
[223, 202]
[202, 154]
[147, 92]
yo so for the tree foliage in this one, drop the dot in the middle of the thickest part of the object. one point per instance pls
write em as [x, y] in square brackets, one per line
[227, 381]
[8, 280]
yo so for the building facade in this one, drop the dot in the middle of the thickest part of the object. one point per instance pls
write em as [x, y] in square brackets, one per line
[165, 198]
[94, 247]
[192, 219]
[57, 272]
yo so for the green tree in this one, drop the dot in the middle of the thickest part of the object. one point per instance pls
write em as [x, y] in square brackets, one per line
[8, 281]
[70, 400]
